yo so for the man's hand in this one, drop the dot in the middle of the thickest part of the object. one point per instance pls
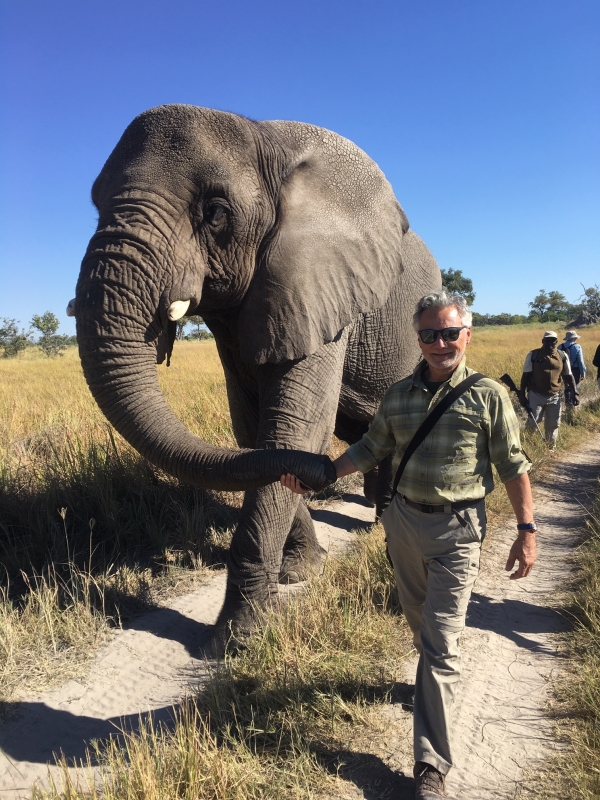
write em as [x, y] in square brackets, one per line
[340, 467]
[524, 551]
[292, 483]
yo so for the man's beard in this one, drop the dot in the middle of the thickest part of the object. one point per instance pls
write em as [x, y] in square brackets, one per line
[449, 361]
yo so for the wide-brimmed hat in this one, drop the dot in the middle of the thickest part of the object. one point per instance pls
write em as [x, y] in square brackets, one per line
[570, 336]
[550, 335]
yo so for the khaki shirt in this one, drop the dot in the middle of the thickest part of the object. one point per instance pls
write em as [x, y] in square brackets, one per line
[454, 462]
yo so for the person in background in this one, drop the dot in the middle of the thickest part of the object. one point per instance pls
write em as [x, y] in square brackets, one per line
[543, 373]
[596, 363]
[575, 353]
[436, 520]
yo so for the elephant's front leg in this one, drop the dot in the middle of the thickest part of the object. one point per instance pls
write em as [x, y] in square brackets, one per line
[302, 553]
[255, 556]
[298, 404]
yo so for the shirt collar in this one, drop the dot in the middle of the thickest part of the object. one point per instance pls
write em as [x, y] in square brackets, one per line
[457, 376]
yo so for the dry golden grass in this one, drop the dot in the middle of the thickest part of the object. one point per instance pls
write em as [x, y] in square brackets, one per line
[57, 452]
[495, 350]
[267, 722]
[574, 773]
[90, 533]
[38, 394]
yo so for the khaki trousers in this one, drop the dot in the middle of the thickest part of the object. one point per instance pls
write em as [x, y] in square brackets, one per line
[436, 561]
[546, 408]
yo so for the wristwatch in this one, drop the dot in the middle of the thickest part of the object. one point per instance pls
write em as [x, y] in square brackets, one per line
[527, 526]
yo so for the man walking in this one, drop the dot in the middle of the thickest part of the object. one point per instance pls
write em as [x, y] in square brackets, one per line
[596, 363]
[575, 354]
[436, 521]
[541, 385]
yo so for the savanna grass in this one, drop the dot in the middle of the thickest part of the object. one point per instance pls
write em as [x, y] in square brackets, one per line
[58, 452]
[270, 722]
[495, 350]
[575, 772]
[77, 504]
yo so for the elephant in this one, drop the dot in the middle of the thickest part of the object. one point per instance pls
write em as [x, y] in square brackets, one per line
[289, 242]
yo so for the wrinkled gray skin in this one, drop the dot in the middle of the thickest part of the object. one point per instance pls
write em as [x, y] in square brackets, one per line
[289, 242]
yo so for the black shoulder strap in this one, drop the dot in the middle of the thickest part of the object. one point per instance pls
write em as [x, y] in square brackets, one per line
[430, 420]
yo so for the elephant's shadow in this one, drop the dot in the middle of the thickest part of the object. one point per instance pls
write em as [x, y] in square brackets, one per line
[180, 520]
[37, 733]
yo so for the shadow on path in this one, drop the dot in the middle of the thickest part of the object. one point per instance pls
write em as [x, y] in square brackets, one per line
[514, 619]
[369, 774]
[34, 731]
[337, 520]
[167, 623]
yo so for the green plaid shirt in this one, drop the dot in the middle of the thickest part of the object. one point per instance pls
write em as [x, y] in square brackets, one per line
[454, 462]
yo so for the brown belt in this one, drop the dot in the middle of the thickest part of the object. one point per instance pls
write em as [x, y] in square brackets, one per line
[447, 508]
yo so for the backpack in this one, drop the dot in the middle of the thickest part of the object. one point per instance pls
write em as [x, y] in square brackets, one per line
[567, 347]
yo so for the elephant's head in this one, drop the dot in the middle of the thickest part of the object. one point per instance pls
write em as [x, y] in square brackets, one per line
[288, 226]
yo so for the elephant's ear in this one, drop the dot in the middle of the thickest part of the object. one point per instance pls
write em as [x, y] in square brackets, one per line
[334, 254]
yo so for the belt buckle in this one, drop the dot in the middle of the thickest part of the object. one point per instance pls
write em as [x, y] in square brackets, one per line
[426, 508]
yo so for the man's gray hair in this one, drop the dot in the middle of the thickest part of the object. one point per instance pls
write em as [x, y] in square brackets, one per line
[443, 299]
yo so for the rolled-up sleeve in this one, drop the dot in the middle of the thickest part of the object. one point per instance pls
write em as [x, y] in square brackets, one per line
[376, 444]
[504, 440]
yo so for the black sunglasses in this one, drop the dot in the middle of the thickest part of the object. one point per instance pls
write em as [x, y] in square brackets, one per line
[429, 335]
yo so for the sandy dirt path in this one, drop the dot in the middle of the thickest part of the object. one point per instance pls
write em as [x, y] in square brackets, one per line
[509, 653]
[143, 669]
[510, 647]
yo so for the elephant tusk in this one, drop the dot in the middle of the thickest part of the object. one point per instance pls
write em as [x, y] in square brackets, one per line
[71, 308]
[178, 309]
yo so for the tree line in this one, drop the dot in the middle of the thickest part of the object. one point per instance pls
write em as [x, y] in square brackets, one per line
[545, 306]
[199, 329]
[14, 339]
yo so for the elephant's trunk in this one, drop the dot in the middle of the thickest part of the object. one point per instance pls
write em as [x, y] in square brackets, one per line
[118, 355]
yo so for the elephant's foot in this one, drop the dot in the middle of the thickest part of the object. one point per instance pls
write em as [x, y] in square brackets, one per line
[303, 556]
[299, 566]
[236, 622]
[225, 642]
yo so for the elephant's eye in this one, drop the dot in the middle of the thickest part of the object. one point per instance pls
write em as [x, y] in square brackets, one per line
[215, 215]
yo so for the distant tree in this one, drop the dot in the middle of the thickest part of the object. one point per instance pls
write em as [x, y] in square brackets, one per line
[590, 300]
[197, 321]
[498, 319]
[11, 340]
[201, 331]
[181, 326]
[539, 305]
[550, 307]
[51, 343]
[454, 281]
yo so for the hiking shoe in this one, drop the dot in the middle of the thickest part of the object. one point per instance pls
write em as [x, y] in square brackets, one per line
[429, 782]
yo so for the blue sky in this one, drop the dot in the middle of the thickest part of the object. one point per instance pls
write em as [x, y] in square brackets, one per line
[484, 115]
